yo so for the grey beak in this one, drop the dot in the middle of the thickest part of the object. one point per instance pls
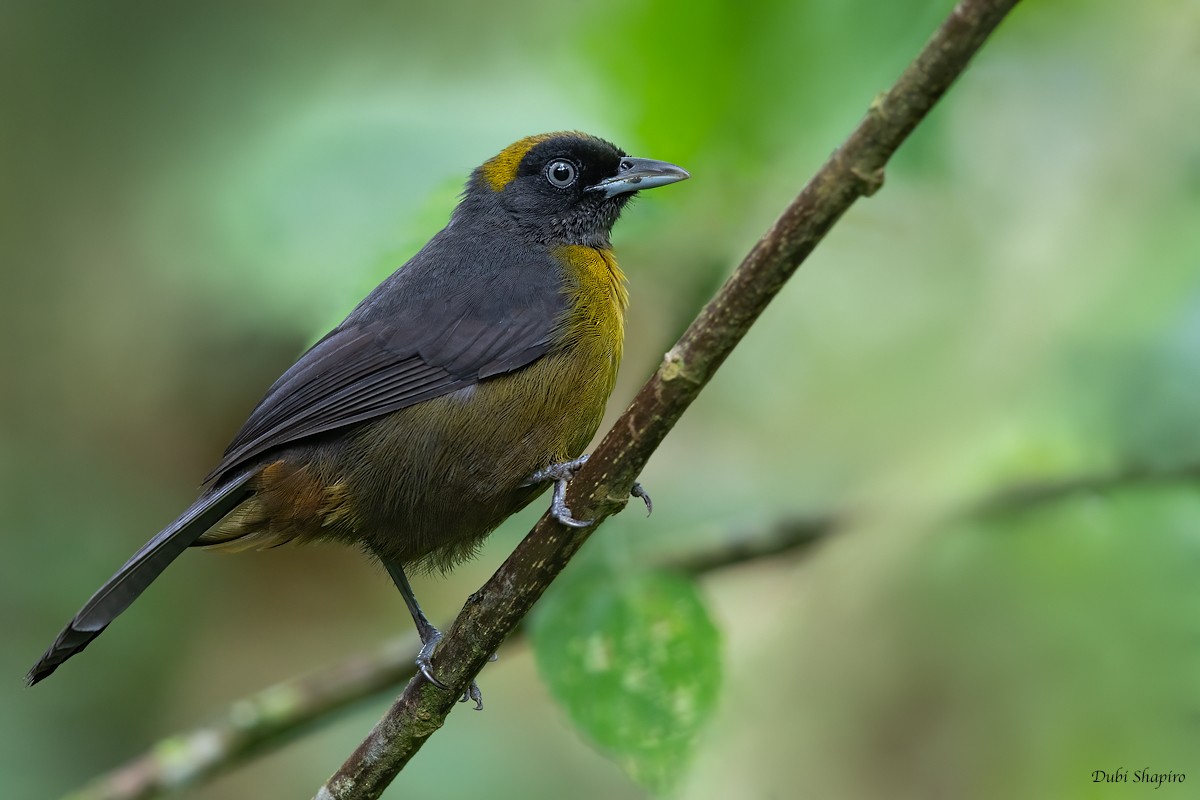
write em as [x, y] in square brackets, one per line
[636, 174]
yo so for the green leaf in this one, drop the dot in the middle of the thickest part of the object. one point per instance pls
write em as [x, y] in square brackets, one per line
[635, 661]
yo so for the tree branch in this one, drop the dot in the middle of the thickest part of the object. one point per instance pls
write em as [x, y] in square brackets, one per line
[602, 486]
[255, 724]
[276, 715]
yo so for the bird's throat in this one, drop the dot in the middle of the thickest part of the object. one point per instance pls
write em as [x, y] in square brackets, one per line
[597, 299]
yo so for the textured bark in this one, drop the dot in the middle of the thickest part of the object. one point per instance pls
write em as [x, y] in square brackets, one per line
[255, 725]
[602, 486]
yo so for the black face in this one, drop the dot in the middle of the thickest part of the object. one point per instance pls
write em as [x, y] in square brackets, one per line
[564, 188]
[554, 189]
[562, 169]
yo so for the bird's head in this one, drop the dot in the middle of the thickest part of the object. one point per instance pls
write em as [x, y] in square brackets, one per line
[564, 188]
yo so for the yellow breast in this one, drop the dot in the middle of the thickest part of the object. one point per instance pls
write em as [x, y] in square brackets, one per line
[597, 299]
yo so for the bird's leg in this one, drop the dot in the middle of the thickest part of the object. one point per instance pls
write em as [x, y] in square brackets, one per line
[561, 473]
[430, 636]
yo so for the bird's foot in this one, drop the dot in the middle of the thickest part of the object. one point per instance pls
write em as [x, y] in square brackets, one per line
[473, 694]
[562, 473]
[429, 643]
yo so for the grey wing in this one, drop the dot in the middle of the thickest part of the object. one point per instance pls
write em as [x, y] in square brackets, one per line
[363, 371]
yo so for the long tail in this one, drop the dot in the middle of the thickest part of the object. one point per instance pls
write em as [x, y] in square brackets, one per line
[139, 572]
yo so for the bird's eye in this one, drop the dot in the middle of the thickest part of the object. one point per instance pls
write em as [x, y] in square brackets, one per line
[560, 173]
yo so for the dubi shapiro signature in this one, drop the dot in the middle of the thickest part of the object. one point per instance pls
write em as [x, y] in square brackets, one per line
[1122, 775]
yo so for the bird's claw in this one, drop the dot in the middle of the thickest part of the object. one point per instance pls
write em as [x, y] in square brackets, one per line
[560, 509]
[472, 693]
[424, 665]
[561, 474]
[425, 656]
[637, 490]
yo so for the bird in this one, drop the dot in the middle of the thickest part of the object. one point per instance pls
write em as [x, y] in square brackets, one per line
[449, 398]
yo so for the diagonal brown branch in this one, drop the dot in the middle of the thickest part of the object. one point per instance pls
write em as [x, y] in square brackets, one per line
[600, 489]
[277, 715]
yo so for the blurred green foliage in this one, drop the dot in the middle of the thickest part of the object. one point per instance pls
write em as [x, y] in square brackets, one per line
[191, 193]
[634, 658]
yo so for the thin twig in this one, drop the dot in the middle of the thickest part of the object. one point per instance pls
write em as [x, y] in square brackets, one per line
[275, 716]
[1022, 496]
[256, 724]
[602, 486]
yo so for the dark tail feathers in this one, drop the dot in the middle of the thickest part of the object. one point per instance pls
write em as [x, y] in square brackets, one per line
[139, 572]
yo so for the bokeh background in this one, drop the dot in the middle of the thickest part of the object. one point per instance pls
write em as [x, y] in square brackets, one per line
[191, 193]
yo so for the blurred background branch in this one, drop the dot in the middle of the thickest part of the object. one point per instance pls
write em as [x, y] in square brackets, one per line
[273, 717]
[193, 193]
